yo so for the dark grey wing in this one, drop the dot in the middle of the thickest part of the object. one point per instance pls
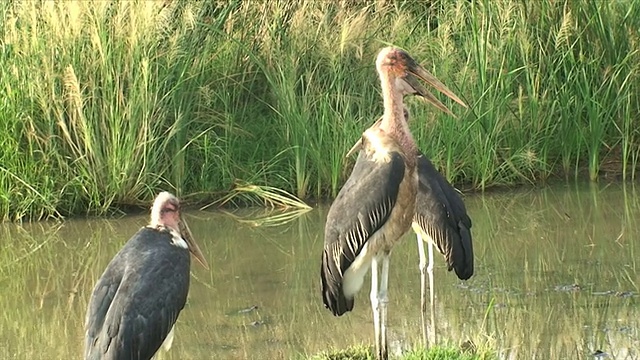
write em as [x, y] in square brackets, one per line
[147, 312]
[101, 298]
[361, 208]
[147, 303]
[441, 214]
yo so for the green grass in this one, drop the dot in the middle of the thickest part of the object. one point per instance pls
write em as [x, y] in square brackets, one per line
[103, 104]
[360, 352]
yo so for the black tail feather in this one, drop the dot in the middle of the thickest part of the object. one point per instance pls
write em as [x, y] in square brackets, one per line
[463, 264]
[332, 294]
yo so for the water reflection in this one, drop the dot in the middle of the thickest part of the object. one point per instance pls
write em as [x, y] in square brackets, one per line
[556, 278]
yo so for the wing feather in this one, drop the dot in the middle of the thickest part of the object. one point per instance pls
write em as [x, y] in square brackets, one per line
[362, 207]
[441, 214]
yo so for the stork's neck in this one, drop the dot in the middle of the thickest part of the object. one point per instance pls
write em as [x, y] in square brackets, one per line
[393, 122]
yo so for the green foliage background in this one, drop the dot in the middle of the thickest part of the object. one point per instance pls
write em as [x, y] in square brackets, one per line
[104, 103]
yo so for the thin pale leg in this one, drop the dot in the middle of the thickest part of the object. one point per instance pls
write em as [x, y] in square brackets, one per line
[166, 345]
[168, 341]
[375, 305]
[383, 301]
[431, 293]
[423, 287]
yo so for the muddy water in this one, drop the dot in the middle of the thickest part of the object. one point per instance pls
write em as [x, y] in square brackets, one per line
[557, 277]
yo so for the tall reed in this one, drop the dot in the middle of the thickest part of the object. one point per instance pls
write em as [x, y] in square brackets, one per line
[105, 103]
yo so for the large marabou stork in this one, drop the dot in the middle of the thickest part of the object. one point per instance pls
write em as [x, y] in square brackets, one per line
[376, 205]
[440, 218]
[138, 298]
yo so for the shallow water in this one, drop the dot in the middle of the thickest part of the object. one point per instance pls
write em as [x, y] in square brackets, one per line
[556, 277]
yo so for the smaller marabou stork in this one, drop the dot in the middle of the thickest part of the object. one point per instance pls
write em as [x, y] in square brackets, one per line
[441, 219]
[138, 298]
[376, 205]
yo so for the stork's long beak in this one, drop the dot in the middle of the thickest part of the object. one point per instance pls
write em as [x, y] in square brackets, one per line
[357, 146]
[193, 247]
[415, 72]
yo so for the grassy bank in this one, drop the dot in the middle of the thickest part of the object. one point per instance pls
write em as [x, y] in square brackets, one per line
[104, 103]
[432, 353]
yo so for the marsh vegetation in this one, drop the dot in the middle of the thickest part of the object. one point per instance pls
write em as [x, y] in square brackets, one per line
[104, 103]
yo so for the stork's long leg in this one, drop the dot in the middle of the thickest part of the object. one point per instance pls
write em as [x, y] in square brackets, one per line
[168, 341]
[424, 270]
[166, 345]
[375, 304]
[431, 292]
[384, 300]
[423, 287]
[379, 302]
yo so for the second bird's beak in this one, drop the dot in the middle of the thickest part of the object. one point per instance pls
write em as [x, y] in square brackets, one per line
[409, 84]
[193, 247]
[354, 148]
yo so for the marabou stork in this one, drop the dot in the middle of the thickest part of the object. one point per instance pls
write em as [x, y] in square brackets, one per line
[376, 205]
[138, 298]
[441, 218]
